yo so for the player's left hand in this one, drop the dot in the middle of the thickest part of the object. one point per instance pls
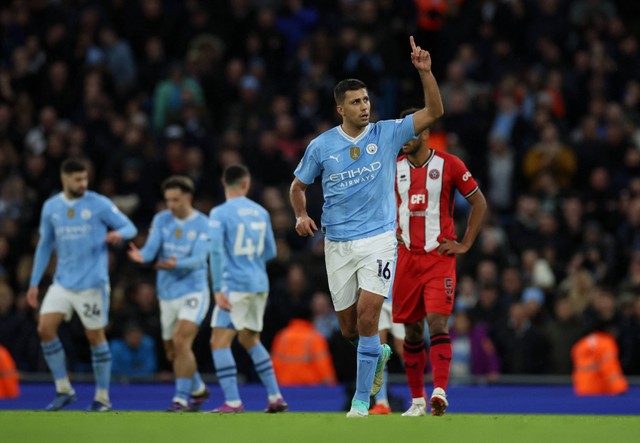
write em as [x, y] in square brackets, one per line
[420, 58]
[166, 264]
[222, 301]
[113, 238]
[451, 247]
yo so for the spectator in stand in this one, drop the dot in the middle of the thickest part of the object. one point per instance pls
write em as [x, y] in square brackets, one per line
[474, 355]
[134, 355]
[172, 94]
[550, 154]
[521, 346]
[630, 340]
[562, 332]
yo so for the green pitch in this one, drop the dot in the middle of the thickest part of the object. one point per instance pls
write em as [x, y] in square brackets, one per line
[159, 427]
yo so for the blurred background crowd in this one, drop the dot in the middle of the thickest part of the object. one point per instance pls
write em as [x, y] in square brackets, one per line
[542, 102]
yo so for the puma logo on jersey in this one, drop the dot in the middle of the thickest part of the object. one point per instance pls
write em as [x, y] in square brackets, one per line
[335, 157]
[442, 357]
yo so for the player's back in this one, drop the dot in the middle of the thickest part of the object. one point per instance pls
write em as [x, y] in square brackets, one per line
[244, 229]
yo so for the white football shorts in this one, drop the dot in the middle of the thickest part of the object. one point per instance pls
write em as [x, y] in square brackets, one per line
[192, 307]
[247, 312]
[386, 322]
[92, 305]
[367, 263]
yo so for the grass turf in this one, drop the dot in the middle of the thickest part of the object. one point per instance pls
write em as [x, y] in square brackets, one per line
[158, 427]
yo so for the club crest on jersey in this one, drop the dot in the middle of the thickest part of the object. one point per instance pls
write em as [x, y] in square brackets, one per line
[71, 212]
[372, 148]
[191, 235]
[434, 174]
[85, 214]
[354, 152]
[178, 233]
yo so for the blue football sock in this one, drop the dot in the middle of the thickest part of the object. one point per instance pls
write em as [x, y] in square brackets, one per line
[368, 352]
[264, 368]
[183, 390]
[196, 382]
[382, 395]
[101, 360]
[227, 373]
[55, 358]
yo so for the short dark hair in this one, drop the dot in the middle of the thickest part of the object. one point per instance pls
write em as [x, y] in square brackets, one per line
[233, 174]
[185, 184]
[71, 165]
[349, 84]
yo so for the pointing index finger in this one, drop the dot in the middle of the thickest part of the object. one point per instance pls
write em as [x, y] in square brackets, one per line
[413, 43]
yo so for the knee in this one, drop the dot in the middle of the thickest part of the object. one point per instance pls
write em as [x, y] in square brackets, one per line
[368, 317]
[438, 325]
[95, 337]
[414, 332]
[248, 341]
[181, 344]
[414, 337]
[46, 333]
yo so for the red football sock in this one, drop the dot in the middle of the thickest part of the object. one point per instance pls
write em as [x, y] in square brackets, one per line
[415, 360]
[440, 358]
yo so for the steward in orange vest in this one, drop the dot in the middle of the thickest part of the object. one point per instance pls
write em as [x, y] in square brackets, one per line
[9, 387]
[300, 354]
[596, 366]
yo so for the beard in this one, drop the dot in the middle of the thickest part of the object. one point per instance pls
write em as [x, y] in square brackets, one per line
[76, 193]
[410, 150]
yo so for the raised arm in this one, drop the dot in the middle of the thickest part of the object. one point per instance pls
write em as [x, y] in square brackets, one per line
[433, 109]
[297, 194]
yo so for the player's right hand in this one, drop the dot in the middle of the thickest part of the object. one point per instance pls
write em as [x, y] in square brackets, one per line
[420, 58]
[305, 226]
[32, 297]
[222, 301]
[134, 253]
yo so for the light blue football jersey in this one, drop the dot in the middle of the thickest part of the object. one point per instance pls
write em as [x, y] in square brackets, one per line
[242, 242]
[358, 176]
[188, 241]
[76, 229]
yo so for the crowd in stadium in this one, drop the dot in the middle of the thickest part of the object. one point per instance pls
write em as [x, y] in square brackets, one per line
[541, 99]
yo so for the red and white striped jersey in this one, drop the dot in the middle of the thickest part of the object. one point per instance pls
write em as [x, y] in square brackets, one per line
[425, 199]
